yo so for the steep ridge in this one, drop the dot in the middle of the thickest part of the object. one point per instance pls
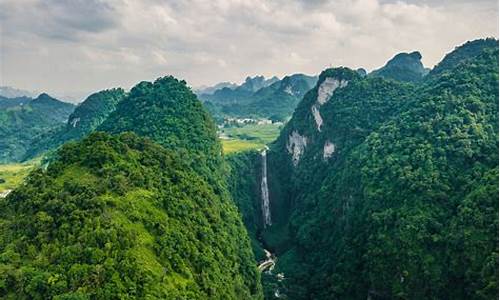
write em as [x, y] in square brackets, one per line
[21, 123]
[170, 114]
[120, 216]
[462, 53]
[383, 189]
[86, 117]
[405, 67]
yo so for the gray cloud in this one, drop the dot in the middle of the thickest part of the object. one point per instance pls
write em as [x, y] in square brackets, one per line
[81, 46]
[56, 19]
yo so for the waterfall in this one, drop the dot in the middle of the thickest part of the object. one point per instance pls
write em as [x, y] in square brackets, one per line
[266, 213]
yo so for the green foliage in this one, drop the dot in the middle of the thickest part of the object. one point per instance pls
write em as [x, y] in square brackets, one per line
[405, 67]
[87, 116]
[168, 113]
[407, 205]
[122, 218]
[243, 182]
[22, 122]
[463, 53]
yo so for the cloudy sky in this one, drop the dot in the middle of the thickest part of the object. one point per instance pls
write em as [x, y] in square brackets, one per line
[73, 47]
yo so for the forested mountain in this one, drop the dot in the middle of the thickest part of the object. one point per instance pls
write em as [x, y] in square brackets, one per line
[275, 100]
[22, 122]
[126, 217]
[168, 112]
[13, 102]
[86, 117]
[462, 53]
[383, 189]
[403, 67]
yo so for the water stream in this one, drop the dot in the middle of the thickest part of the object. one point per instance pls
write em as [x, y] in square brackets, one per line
[266, 212]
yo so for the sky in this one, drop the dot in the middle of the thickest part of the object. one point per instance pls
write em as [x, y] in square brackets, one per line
[75, 47]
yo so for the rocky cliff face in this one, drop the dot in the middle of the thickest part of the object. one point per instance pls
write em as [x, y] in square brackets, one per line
[367, 164]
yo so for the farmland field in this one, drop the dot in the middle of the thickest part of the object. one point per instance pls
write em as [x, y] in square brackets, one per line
[11, 175]
[248, 137]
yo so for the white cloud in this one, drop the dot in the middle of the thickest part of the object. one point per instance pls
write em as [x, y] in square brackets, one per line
[77, 45]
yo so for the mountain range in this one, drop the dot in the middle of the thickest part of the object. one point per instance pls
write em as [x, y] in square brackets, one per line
[259, 98]
[379, 186]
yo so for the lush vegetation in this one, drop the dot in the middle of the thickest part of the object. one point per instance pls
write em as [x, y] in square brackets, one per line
[407, 205]
[169, 113]
[274, 100]
[23, 120]
[243, 179]
[122, 218]
[393, 195]
[87, 116]
[118, 216]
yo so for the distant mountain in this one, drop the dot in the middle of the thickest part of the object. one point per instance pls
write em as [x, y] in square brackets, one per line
[260, 98]
[86, 117]
[10, 92]
[253, 84]
[20, 124]
[403, 67]
[208, 90]
[6, 102]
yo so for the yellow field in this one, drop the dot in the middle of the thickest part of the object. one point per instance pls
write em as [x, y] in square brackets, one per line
[13, 174]
[231, 146]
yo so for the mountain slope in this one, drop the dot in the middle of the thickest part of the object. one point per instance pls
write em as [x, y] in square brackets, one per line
[127, 217]
[20, 124]
[383, 189]
[121, 217]
[463, 53]
[86, 117]
[405, 67]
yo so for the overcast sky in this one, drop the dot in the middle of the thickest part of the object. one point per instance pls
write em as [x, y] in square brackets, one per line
[75, 47]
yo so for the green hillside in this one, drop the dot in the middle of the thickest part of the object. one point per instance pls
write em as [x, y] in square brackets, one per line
[87, 116]
[388, 190]
[23, 120]
[127, 217]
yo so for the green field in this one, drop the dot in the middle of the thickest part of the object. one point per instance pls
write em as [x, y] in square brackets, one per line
[13, 174]
[248, 137]
[231, 146]
[256, 133]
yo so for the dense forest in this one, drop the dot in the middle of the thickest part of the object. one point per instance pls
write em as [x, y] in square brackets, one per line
[23, 119]
[126, 217]
[388, 189]
[85, 118]
[381, 186]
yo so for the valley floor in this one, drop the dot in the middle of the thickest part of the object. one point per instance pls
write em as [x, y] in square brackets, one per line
[11, 175]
